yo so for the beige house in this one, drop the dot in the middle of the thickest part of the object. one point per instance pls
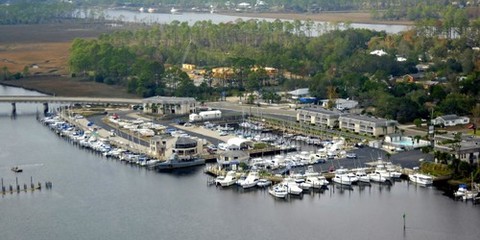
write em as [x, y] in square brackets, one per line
[319, 117]
[367, 125]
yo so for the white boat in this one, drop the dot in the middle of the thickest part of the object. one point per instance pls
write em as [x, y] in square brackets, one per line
[421, 179]
[469, 195]
[151, 10]
[317, 182]
[342, 176]
[229, 179]
[251, 180]
[382, 171]
[292, 186]
[392, 170]
[264, 183]
[279, 191]
[362, 176]
[377, 177]
[461, 191]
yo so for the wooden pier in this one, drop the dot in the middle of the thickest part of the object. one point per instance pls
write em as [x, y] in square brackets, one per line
[19, 188]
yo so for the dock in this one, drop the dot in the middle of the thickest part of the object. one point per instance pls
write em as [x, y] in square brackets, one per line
[19, 188]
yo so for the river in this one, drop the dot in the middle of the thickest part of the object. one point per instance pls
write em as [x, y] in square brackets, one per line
[97, 198]
[191, 18]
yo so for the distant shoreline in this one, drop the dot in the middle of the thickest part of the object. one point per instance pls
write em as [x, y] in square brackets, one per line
[351, 17]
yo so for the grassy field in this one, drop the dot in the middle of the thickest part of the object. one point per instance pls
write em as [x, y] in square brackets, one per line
[44, 49]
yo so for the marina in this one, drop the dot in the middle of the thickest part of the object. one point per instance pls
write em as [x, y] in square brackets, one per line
[132, 201]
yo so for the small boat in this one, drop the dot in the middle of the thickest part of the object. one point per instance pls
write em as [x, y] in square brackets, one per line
[263, 183]
[279, 191]
[17, 169]
[421, 179]
[461, 191]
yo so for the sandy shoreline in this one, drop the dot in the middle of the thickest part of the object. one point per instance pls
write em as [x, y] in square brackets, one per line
[351, 17]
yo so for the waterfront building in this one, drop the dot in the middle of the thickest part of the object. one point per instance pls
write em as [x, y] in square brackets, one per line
[161, 146]
[169, 105]
[367, 125]
[232, 157]
[468, 149]
[319, 116]
[186, 147]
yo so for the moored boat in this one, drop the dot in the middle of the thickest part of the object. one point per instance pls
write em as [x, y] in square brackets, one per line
[251, 180]
[229, 179]
[279, 191]
[174, 163]
[342, 176]
[421, 179]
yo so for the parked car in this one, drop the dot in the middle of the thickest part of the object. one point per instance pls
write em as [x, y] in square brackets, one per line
[351, 155]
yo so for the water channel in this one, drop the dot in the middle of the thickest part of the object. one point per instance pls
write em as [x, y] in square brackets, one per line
[97, 198]
[191, 18]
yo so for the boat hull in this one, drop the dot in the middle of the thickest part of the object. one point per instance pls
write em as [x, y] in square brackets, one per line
[180, 164]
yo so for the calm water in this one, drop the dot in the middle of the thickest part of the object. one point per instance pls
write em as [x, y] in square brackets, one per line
[191, 18]
[96, 198]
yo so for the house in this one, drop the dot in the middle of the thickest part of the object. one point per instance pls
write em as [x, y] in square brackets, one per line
[341, 104]
[367, 125]
[169, 105]
[298, 93]
[468, 149]
[319, 117]
[450, 120]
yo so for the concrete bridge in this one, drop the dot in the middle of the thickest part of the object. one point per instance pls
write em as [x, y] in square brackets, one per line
[45, 100]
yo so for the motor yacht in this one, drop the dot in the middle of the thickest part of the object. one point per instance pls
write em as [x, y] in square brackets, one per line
[292, 186]
[317, 182]
[251, 180]
[342, 176]
[421, 179]
[278, 191]
[229, 179]
[377, 177]
[362, 176]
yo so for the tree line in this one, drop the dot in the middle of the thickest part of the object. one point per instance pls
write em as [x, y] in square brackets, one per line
[336, 59]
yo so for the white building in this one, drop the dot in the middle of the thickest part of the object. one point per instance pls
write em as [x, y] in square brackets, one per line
[341, 104]
[450, 120]
[298, 93]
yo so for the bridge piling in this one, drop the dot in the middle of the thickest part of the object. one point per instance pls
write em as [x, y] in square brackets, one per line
[45, 108]
[14, 109]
